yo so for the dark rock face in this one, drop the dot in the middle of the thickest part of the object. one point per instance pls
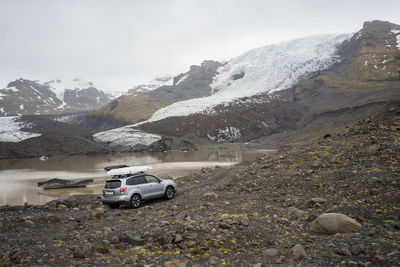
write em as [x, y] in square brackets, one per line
[192, 84]
[89, 98]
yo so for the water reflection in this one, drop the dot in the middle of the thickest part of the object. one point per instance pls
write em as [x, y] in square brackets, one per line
[19, 177]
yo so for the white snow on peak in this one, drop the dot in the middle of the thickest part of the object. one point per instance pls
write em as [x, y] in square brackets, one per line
[10, 130]
[153, 84]
[397, 33]
[264, 70]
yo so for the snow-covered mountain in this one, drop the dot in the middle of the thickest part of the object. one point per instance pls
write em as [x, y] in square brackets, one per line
[271, 89]
[262, 70]
[24, 97]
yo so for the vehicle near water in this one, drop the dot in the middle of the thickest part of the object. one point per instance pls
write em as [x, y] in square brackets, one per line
[131, 185]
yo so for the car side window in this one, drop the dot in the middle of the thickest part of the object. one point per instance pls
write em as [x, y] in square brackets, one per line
[140, 180]
[136, 180]
[130, 181]
[151, 179]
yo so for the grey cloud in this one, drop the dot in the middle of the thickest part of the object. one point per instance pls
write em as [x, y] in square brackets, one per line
[122, 42]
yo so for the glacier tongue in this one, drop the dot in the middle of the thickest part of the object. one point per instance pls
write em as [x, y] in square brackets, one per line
[262, 70]
[126, 136]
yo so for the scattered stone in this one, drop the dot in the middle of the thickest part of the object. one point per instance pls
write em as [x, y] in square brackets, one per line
[175, 263]
[244, 221]
[379, 259]
[343, 252]
[132, 238]
[100, 249]
[97, 213]
[270, 252]
[332, 223]
[16, 254]
[178, 238]
[213, 260]
[297, 252]
[295, 212]
[78, 255]
[114, 240]
[1, 224]
[51, 218]
[318, 200]
[211, 195]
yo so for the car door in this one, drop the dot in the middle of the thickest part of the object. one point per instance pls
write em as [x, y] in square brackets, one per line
[155, 188]
[137, 184]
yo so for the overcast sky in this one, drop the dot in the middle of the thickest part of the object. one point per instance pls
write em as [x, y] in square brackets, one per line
[121, 42]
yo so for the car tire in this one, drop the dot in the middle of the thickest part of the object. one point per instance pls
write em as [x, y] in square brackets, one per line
[114, 206]
[169, 192]
[135, 201]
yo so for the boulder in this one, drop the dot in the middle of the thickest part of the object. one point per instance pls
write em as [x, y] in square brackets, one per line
[297, 252]
[68, 200]
[132, 238]
[270, 252]
[175, 263]
[332, 223]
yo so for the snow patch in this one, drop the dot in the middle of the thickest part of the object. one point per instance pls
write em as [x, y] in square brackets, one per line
[183, 78]
[2, 110]
[397, 33]
[126, 136]
[11, 130]
[228, 134]
[366, 63]
[21, 107]
[12, 89]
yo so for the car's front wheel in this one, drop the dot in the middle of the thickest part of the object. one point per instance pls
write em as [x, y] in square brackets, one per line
[135, 201]
[169, 192]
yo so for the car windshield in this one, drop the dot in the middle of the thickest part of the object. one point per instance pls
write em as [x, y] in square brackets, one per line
[113, 184]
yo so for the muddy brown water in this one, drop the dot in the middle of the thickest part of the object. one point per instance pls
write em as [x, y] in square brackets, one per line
[19, 177]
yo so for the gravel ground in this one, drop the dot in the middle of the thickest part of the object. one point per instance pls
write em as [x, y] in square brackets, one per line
[259, 213]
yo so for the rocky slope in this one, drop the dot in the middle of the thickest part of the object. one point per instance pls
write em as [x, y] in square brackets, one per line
[261, 213]
[26, 97]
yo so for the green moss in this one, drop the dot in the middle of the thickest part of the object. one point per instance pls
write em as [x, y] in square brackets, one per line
[130, 108]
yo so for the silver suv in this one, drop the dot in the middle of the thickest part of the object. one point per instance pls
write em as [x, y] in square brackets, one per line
[131, 189]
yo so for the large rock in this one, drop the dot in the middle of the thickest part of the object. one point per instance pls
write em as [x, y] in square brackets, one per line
[175, 263]
[332, 223]
[68, 200]
[297, 252]
[132, 238]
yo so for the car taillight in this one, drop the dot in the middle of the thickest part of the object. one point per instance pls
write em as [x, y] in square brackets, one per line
[122, 190]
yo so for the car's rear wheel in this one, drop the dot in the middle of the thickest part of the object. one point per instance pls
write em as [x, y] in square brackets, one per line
[114, 206]
[135, 201]
[169, 192]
